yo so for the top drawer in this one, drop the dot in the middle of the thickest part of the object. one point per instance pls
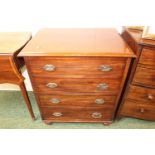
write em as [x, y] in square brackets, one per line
[76, 67]
[148, 57]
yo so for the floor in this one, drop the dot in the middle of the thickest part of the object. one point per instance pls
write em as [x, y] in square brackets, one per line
[14, 114]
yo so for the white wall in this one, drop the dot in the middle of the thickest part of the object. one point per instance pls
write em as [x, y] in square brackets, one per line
[31, 15]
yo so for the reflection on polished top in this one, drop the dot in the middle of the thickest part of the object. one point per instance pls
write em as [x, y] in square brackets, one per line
[77, 42]
[11, 42]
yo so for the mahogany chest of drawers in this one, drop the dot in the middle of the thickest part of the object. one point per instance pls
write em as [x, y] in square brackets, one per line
[139, 98]
[77, 74]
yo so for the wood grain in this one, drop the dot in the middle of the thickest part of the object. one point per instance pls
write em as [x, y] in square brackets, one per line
[76, 100]
[76, 67]
[141, 94]
[11, 42]
[8, 71]
[137, 37]
[66, 86]
[77, 55]
[130, 41]
[138, 97]
[138, 110]
[145, 77]
[10, 45]
[77, 42]
[148, 57]
[78, 114]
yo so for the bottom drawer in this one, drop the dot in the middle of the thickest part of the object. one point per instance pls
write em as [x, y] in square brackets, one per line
[138, 110]
[78, 114]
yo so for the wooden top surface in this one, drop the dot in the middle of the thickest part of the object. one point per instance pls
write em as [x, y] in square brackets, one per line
[10, 42]
[77, 42]
[137, 36]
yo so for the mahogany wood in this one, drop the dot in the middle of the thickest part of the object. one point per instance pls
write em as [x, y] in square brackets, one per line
[10, 45]
[76, 67]
[77, 55]
[77, 42]
[138, 110]
[68, 85]
[145, 77]
[138, 98]
[78, 114]
[75, 100]
[148, 57]
[141, 94]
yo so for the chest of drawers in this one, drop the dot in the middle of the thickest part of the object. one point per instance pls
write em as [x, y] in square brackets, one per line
[139, 98]
[77, 74]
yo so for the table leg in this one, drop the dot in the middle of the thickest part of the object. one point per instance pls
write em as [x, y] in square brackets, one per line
[25, 95]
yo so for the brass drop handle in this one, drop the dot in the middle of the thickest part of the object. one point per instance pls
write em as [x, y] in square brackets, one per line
[55, 100]
[57, 114]
[96, 115]
[52, 85]
[142, 110]
[102, 86]
[99, 101]
[150, 97]
[105, 68]
[49, 67]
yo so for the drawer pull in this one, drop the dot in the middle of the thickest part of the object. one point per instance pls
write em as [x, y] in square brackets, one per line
[102, 86]
[99, 101]
[142, 110]
[96, 115]
[57, 114]
[49, 68]
[51, 85]
[55, 101]
[105, 68]
[150, 97]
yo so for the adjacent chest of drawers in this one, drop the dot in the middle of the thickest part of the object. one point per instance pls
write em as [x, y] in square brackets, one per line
[139, 98]
[77, 74]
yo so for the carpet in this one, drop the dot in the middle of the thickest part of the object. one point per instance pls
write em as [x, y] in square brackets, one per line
[14, 115]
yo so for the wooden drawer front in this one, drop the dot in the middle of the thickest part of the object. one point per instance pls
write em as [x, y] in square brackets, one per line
[76, 100]
[145, 77]
[141, 94]
[78, 114]
[109, 86]
[76, 67]
[148, 57]
[138, 110]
